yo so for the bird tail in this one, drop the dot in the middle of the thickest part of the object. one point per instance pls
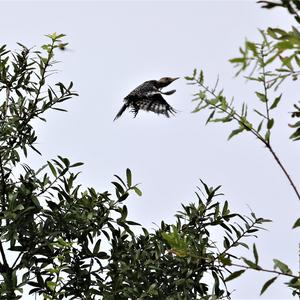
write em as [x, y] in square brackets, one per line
[120, 112]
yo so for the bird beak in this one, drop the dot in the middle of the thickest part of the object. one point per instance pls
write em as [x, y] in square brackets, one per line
[173, 79]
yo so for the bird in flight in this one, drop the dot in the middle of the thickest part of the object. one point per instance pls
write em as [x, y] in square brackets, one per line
[148, 97]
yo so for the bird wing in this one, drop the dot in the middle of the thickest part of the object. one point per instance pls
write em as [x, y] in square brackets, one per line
[157, 104]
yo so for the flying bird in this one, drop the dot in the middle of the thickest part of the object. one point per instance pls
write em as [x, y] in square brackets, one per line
[148, 97]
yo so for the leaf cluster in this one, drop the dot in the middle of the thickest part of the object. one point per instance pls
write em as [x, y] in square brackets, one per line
[292, 6]
[175, 261]
[71, 242]
[267, 63]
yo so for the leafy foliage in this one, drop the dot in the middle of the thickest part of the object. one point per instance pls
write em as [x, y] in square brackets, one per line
[224, 111]
[54, 227]
[268, 63]
[71, 242]
[292, 6]
[175, 260]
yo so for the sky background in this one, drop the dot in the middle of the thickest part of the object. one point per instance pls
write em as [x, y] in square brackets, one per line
[115, 46]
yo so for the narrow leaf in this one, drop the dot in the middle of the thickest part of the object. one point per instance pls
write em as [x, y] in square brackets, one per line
[276, 101]
[255, 254]
[235, 132]
[234, 275]
[297, 223]
[270, 123]
[128, 177]
[261, 97]
[137, 191]
[282, 266]
[267, 284]
[53, 170]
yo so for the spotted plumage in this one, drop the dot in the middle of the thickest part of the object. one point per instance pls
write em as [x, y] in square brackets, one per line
[148, 97]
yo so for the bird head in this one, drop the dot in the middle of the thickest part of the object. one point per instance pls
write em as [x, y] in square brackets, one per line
[164, 81]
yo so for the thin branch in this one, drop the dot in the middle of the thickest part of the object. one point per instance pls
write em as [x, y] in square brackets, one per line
[64, 171]
[238, 119]
[265, 270]
[238, 238]
[3, 256]
[236, 116]
[15, 262]
[3, 183]
[284, 170]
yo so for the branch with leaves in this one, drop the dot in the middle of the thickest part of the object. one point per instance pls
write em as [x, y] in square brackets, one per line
[268, 63]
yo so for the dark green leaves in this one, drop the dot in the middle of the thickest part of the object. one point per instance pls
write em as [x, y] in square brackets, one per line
[128, 177]
[123, 188]
[235, 132]
[222, 111]
[297, 223]
[137, 190]
[251, 264]
[261, 96]
[275, 102]
[281, 266]
[234, 275]
[292, 6]
[267, 284]
[270, 123]
[255, 253]
[295, 114]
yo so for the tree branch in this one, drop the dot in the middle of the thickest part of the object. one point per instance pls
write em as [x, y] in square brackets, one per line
[238, 119]
[283, 170]
[265, 270]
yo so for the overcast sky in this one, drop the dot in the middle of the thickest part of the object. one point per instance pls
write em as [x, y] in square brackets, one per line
[114, 46]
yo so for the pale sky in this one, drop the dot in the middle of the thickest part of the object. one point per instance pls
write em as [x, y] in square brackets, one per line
[115, 46]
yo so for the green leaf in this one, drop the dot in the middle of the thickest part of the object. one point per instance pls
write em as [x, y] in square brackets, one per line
[261, 97]
[251, 46]
[234, 275]
[297, 223]
[281, 266]
[225, 210]
[137, 190]
[118, 186]
[259, 126]
[51, 285]
[128, 177]
[237, 60]
[267, 136]
[210, 117]
[297, 59]
[275, 31]
[285, 45]
[14, 279]
[97, 247]
[235, 132]
[255, 254]
[201, 77]
[76, 164]
[251, 264]
[53, 170]
[270, 123]
[267, 284]
[276, 101]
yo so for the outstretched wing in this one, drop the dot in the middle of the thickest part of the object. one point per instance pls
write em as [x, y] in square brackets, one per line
[157, 104]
